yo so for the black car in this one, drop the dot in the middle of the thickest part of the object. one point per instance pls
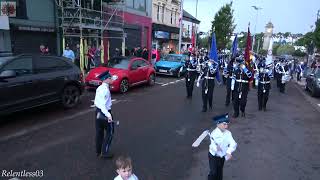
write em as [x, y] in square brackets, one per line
[313, 82]
[28, 81]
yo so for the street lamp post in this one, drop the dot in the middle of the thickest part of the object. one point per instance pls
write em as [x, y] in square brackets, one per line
[255, 26]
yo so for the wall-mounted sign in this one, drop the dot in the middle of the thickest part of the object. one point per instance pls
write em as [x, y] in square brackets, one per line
[8, 8]
[4, 23]
[161, 34]
[40, 29]
[174, 36]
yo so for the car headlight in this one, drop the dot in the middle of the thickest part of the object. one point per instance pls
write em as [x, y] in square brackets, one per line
[114, 77]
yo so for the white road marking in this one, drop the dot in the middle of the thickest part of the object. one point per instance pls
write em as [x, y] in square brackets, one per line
[159, 83]
[41, 126]
[319, 105]
[166, 84]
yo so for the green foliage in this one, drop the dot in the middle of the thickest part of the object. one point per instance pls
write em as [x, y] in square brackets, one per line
[223, 25]
[306, 40]
[299, 53]
[242, 40]
[263, 52]
[203, 42]
[258, 37]
[275, 48]
[285, 50]
[316, 34]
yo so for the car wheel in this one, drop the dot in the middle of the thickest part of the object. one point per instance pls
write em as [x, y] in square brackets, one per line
[152, 80]
[124, 85]
[70, 96]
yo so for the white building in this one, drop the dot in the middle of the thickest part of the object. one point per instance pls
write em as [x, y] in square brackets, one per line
[165, 24]
[190, 24]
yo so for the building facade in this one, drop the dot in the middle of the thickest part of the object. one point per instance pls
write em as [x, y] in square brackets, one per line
[165, 24]
[190, 26]
[31, 23]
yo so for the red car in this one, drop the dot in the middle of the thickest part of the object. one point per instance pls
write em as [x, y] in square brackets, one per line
[126, 72]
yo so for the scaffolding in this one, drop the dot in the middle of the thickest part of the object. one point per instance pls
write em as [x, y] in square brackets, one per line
[87, 22]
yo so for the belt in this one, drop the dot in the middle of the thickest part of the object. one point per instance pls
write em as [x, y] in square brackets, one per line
[265, 82]
[191, 69]
[207, 77]
[243, 81]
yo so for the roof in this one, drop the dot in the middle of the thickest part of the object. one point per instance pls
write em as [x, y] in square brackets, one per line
[188, 17]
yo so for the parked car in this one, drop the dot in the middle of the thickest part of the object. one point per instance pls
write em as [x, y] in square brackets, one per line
[126, 72]
[171, 64]
[28, 81]
[313, 82]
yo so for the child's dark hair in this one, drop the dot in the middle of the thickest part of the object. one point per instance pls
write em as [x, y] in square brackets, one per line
[123, 162]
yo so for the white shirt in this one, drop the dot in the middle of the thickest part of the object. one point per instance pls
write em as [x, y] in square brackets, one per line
[224, 140]
[103, 99]
[132, 177]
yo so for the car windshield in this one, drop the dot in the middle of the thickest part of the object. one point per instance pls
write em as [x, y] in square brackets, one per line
[119, 63]
[4, 59]
[173, 58]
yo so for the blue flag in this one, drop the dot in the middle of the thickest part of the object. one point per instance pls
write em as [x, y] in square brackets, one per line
[234, 46]
[214, 56]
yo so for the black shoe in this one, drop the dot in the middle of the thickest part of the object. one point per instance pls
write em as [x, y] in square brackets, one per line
[235, 115]
[210, 107]
[260, 108]
[204, 110]
[106, 156]
[226, 104]
[243, 114]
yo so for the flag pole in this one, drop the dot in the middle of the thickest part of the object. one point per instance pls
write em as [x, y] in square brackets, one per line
[180, 26]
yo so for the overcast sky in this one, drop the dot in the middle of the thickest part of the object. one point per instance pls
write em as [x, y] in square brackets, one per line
[294, 16]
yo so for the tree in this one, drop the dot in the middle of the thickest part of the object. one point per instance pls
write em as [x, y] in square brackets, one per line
[299, 53]
[203, 42]
[223, 25]
[263, 52]
[306, 40]
[316, 34]
[242, 37]
[285, 50]
[275, 48]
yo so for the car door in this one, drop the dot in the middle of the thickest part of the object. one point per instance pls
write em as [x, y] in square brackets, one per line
[144, 69]
[20, 91]
[135, 72]
[51, 74]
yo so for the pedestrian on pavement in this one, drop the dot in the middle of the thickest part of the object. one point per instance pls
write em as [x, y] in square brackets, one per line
[124, 169]
[191, 74]
[104, 118]
[97, 56]
[44, 50]
[158, 54]
[68, 53]
[145, 53]
[77, 56]
[221, 147]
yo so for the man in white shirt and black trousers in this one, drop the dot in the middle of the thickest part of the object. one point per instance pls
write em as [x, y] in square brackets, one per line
[104, 119]
[221, 147]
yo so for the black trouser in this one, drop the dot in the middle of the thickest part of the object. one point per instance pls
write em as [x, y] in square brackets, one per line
[229, 92]
[225, 79]
[103, 140]
[282, 87]
[207, 95]
[263, 96]
[240, 102]
[278, 77]
[298, 76]
[216, 167]
[77, 62]
[190, 78]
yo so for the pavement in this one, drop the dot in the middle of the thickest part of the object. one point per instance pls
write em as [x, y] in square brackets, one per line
[157, 127]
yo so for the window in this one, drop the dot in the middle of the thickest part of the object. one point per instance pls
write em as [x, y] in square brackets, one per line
[21, 66]
[130, 3]
[175, 17]
[140, 5]
[171, 20]
[163, 8]
[158, 13]
[50, 64]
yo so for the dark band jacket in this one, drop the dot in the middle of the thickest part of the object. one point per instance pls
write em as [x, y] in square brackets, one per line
[242, 77]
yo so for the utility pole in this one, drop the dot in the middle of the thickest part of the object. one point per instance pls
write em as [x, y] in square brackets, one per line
[255, 26]
[180, 31]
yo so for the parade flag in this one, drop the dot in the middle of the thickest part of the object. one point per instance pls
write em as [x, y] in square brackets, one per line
[193, 39]
[234, 46]
[269, 59]
[214, 55]
[248, 48]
